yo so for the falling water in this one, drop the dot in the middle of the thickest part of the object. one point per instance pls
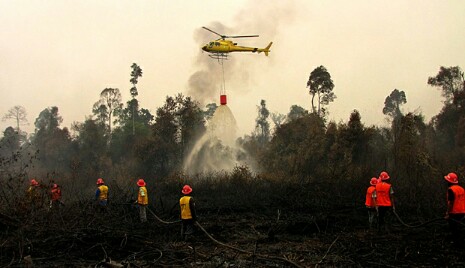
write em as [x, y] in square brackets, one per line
[216, 150]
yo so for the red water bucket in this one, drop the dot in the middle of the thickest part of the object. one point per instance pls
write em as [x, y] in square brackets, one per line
[223, 100]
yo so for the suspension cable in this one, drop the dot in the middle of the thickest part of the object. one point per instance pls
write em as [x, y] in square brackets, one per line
[224, 83]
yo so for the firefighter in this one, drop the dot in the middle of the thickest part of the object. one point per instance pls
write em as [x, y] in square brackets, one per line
[34, 194]
[188, 214]
[384, 199]
[455, 205]
[55, 197]
[142, 200]
[101, 194]
[370, 201]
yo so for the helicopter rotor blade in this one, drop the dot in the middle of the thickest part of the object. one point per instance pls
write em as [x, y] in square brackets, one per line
[241, 36]
[222, 36]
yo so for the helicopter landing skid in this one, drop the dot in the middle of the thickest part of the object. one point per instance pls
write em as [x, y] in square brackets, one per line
[219, 56]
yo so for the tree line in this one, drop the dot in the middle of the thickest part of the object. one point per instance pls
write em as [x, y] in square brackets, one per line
[322, 159]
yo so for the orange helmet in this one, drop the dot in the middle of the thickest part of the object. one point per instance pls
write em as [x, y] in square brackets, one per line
[384, 176]
[100, 181]
[452, 178]
[34, 182]
[373, 181]
[186, 189]
[141, 183]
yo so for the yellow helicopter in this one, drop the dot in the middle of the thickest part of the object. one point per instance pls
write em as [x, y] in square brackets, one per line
[220, 48]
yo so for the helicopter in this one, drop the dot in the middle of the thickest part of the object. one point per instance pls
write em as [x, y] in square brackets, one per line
[220, 48]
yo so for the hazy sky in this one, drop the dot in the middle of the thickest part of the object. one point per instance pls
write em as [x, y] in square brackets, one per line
[64, 53]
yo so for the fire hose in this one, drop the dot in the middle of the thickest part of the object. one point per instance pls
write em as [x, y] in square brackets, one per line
[160, 220]
[226, 245]
[415, 226]
[424, 223]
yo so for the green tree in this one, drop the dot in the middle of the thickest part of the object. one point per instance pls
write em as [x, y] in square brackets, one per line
[414, 165]
[448, 125]
[178, 124]
[53, 143]
[10, 142]
[356, 138]
[48, 120]
[135, 74]
[163, 151]
[297, 148]
[190, 121]
[277, 119]
[393, 102]
[210, 111]
[392, 105]
[91, 145]
[133, 114]
[296, 112]
[450, 79]
[101, 113]
[320, 85]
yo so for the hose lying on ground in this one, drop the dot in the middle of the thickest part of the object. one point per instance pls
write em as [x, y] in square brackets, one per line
[427, 222]
[226, 245]
[415, 226]
[244, 251]
[160, 220]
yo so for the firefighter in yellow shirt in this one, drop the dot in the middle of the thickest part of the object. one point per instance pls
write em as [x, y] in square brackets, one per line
[188, 215]
[142, 200]
[35, 195]
[101, 194]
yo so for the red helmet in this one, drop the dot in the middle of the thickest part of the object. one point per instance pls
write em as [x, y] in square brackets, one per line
[384, 176]
[100, 181]
[373, 181]
[54, 186]
[141, 183]
[34, 182]
[186, 189]
[452, 178]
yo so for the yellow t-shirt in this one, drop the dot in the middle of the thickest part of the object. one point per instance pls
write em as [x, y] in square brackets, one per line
[103, 192]
[142, 197]
[186, 213]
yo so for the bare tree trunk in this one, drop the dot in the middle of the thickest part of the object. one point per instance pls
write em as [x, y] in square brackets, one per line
[313, 105]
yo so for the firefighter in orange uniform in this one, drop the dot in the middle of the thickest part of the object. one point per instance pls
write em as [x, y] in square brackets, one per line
[188, 214]
[142, 200]
[55, 197]
[101, 194]
[455, 205]
[370, 201]
[384, 198]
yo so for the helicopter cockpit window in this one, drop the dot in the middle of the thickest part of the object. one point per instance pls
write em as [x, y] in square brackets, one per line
[217, 43]
[211, 44]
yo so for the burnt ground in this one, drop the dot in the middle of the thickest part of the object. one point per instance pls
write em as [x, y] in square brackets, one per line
[80, 237]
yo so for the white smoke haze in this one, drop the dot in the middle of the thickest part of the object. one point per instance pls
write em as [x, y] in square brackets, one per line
[217, 150]
[258, 17]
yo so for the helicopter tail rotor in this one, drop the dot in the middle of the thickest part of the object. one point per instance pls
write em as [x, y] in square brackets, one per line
[267, 49]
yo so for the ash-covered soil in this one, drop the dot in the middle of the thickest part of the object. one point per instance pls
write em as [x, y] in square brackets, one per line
[81, 237]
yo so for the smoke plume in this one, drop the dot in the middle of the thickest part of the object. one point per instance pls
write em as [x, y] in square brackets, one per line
[258, 17]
